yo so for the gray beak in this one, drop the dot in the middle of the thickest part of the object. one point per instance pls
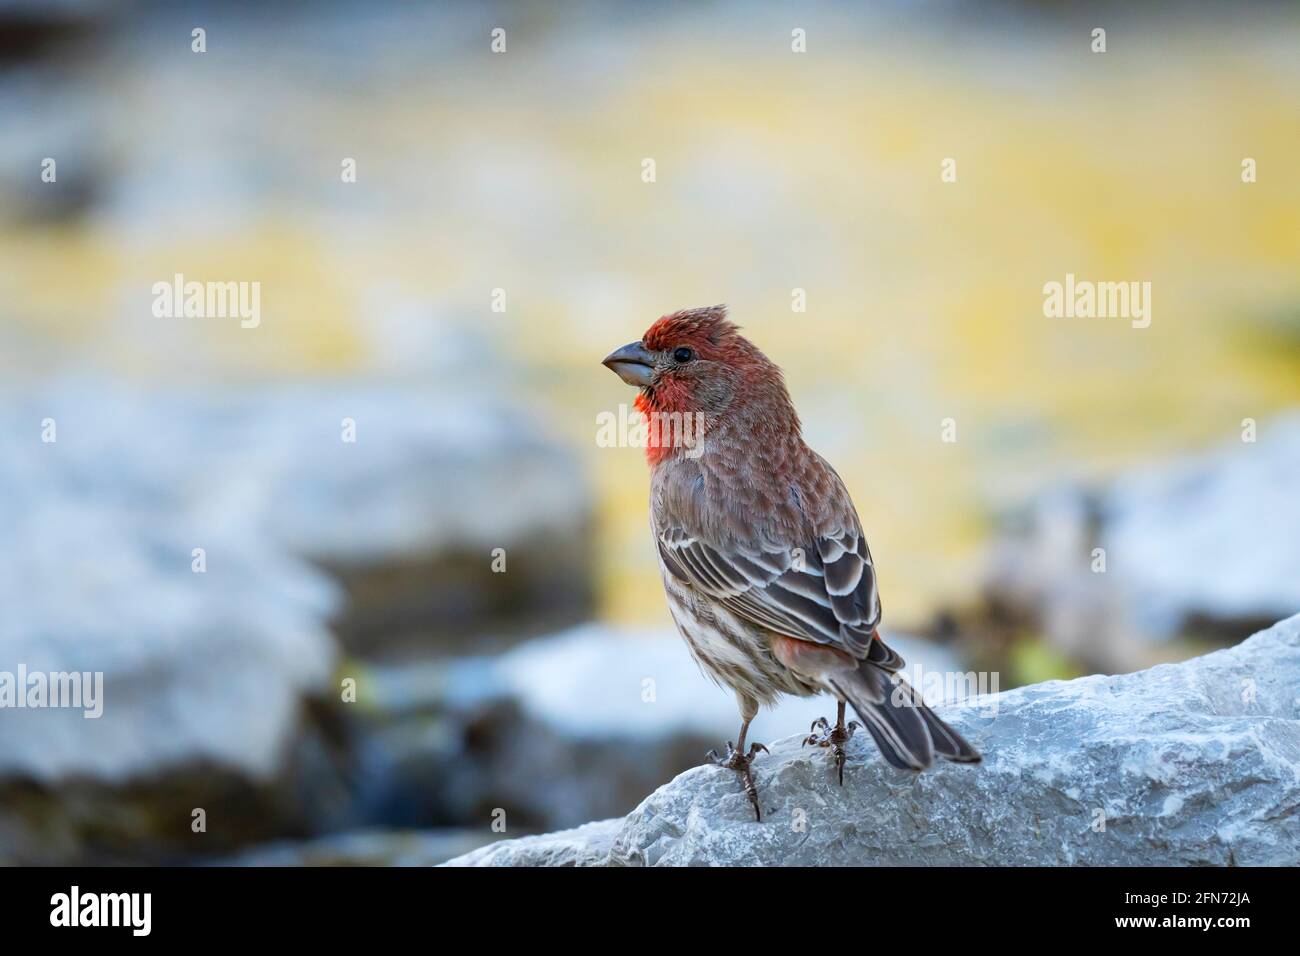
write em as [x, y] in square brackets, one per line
[632, 363]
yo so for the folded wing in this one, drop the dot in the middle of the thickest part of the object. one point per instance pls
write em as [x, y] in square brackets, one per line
[823, 591]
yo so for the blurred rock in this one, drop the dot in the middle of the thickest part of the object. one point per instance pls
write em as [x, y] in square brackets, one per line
[1183, 764]
[457, 767]
[593, 682]
[149, 819]
[210, 679]
[204, 676]
[410, 517]
[366, 848]
[1206, 546]
[208, 666]
[1040, 581]
[1211, 539]
[406, 516]
[587, 845]
[555, 731]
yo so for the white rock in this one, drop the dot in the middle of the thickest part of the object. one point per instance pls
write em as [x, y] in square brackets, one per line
[195, 667]
[100, 526]
[587, 845]
[1190, 763]
[1214, 535]
[1211, 538]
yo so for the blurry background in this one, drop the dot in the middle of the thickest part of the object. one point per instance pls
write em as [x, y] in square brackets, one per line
[556, 691]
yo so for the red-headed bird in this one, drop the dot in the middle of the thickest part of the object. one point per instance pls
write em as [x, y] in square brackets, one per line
[763, 558]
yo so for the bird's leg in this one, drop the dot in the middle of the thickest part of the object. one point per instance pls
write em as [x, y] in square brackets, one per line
[834, 737]
[735, 758]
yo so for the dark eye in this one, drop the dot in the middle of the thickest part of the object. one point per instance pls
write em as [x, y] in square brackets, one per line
[683, 354]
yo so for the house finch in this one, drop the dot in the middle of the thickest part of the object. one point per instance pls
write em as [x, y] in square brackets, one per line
[762, 554]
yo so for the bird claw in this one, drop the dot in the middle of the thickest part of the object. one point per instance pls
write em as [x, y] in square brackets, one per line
[734, 759]
[812, 738]
[713, 754]
[835, 738]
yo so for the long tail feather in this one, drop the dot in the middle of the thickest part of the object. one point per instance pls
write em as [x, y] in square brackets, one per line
[907, 732]
[947, 742]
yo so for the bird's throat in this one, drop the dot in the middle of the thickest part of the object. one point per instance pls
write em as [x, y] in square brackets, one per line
[672, 426]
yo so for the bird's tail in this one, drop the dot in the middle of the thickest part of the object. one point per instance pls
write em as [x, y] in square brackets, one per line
[907, 732]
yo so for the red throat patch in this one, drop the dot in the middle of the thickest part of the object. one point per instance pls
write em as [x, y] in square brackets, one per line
[670, 421]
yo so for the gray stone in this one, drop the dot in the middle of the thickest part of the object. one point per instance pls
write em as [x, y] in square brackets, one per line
[214, 684]
[587, 845]
[365, 848]
[1202, 545]
[1183, 764]
[1236, 503]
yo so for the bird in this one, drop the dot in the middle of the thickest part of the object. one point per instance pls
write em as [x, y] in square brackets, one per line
[763, 557]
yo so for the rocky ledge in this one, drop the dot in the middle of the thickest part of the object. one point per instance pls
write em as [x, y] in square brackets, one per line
[1196, 763]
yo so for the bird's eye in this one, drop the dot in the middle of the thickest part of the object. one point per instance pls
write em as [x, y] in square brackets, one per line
[683, 354]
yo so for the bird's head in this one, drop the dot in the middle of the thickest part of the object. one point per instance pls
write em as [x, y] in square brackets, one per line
[697, 363]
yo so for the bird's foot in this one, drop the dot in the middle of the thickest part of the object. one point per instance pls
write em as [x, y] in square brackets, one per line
[734, 759]
[835, 738]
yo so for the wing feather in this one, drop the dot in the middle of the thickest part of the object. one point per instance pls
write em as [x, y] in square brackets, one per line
[831, 600]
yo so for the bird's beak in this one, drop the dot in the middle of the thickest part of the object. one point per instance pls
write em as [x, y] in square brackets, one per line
[632, 363]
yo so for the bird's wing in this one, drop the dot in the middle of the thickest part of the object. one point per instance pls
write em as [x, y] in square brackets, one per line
[823, 590]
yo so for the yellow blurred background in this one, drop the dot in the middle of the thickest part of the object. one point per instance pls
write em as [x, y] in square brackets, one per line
[775, 171]
[454, 302]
